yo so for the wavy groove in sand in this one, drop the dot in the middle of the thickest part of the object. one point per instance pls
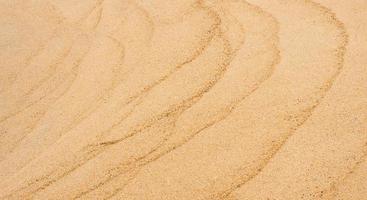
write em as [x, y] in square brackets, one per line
[208, 99]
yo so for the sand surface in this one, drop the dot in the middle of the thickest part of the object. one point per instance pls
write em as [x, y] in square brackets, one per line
[183, 99]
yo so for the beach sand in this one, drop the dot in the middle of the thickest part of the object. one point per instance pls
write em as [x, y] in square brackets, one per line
[183, 99]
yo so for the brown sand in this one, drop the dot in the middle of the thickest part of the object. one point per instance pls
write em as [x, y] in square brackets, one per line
[183, 99]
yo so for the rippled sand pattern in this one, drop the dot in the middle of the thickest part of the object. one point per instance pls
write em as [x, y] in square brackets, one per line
[183, 99]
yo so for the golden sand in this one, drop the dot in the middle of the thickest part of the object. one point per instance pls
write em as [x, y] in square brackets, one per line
[183, 99]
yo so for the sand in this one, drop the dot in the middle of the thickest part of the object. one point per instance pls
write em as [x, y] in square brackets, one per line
[183, 99]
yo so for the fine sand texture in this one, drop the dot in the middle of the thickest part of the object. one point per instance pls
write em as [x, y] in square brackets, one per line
[183, 99]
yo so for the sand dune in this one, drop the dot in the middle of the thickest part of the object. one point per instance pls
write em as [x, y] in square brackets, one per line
[183, 99]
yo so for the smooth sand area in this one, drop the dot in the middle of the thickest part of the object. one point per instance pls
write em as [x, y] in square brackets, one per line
[183, 99]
